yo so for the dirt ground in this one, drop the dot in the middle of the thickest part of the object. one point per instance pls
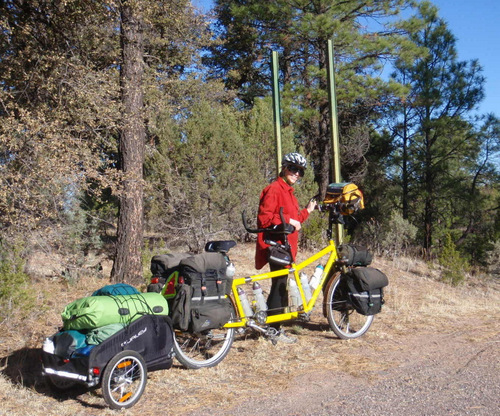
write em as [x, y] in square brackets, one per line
[453, 372]
[434, 350]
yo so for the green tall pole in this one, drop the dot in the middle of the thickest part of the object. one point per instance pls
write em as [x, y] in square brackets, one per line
[276, 109]
[334, 128]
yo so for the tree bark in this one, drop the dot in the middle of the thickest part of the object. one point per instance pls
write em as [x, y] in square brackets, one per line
[127, 265]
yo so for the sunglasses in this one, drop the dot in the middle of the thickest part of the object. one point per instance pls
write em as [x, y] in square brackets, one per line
[296, 169]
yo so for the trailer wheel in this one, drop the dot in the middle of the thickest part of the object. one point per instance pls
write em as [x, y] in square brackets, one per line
[124, 380]
[60, 384]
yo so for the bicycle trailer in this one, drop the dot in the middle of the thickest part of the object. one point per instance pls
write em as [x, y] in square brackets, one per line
[119, 363]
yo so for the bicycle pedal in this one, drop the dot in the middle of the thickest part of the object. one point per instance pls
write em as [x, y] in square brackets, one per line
[284, 338]
[305, 317]
[271, 332]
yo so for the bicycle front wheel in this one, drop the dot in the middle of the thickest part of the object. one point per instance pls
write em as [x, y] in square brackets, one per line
[345, 322]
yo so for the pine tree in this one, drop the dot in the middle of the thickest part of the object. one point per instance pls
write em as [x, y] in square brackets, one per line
[127, 265]
[300, 30]
[61, 106]
[59, 94]
[433, 134]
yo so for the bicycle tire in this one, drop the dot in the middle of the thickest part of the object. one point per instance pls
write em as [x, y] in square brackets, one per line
[344, 320]
[124, 380]
[203, 350]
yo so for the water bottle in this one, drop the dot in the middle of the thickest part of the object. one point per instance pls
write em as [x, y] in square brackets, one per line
[48, 346]
[247, 309]
[259, 297]
[295, 299]
[305, 286]
[316, 277]
[230, 270]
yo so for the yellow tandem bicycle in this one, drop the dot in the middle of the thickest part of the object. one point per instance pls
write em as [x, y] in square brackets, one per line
[207, 349]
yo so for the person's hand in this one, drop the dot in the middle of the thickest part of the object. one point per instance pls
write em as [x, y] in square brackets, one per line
[296, 224]
[311, 205]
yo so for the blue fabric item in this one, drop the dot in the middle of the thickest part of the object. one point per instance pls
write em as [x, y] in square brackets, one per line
[66, 342]
[116, 289]
[82, 352]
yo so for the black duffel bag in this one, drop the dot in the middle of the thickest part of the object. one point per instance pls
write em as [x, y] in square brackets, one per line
[165, 268]
[365, 287]
[353, 255]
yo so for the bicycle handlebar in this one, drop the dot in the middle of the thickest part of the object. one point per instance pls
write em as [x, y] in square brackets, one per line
[250, 230]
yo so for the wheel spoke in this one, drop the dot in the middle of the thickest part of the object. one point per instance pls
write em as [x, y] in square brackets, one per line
[203, 350]
[124, 380]
[342, 317]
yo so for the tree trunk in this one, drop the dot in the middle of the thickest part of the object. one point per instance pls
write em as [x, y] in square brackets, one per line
[127, 265]
[405, 164]
[429, 195]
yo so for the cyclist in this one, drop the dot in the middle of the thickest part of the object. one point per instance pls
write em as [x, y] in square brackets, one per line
[280, 194]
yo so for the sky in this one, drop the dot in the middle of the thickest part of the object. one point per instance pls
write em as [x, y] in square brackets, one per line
[476, 26]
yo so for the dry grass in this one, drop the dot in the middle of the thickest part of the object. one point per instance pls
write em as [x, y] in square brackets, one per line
[415, 302]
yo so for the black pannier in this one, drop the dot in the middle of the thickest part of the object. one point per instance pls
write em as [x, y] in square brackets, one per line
[353, 255]
[165, 267]
[210, 314]
[365, 287]
[180, 310]
[206, 274]
[201, 303]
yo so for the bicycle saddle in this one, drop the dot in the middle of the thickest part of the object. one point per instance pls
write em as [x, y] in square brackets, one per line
[219, 246]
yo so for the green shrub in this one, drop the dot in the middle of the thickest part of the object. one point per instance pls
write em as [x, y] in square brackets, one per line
[455, 265]
[397, 235]
[393, 236]
[312, 235]
[15, 289]
[493, 259]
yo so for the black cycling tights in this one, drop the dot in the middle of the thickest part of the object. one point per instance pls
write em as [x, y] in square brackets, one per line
[278, 297]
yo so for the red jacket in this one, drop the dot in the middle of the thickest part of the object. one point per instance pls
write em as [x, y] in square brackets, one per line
[276, 195]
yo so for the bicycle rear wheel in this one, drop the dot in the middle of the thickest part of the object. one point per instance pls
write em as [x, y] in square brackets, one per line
[345, 322]
[206, 349]
[203, 350]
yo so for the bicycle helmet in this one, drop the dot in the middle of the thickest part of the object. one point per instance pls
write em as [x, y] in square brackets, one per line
[294, 159]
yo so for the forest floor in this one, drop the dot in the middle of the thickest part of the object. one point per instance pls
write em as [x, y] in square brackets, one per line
[434, 350]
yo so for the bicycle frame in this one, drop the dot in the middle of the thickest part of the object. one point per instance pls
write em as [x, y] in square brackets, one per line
[294, 270]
